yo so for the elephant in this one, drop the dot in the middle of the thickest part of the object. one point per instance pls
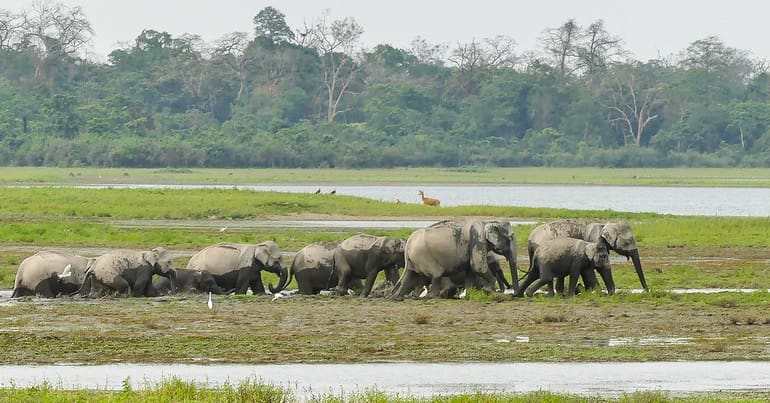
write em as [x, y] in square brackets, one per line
[451, 248]
[560, 257]
[617, 236]
[313, 267]
[449, 285]
[129, 272]
[364, 256]
[190, 281]
[239, 266]
[50, 273]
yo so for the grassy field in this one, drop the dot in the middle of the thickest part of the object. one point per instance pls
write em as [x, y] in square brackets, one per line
[757, 177]
[686, 252]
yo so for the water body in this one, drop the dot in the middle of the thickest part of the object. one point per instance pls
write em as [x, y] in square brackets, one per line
[704, 201]
[419, 379]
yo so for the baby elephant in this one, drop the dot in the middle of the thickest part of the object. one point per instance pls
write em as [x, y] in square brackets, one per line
[560, 257]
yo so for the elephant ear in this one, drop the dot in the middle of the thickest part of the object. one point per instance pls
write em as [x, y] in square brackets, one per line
[268, 253]
[150, 257]
[492, 233]
[619, 236]
[592, 250]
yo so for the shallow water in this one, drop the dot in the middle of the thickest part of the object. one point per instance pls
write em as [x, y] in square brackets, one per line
[419, 379]
[707, 201]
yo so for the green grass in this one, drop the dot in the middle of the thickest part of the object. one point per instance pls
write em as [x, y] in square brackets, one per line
[759, 177]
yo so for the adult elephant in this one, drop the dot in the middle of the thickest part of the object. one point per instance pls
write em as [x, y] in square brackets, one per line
[313, 267]
[451, 248]
[128, 272]
[617, 236]
[363, 256]
[190, 281]
[239, 266]
[50, 273]
[561, 257]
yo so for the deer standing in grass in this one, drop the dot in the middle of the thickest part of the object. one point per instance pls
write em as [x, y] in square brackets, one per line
[429, 200]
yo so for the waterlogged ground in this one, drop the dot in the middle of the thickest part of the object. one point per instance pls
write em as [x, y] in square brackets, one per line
[314, 329]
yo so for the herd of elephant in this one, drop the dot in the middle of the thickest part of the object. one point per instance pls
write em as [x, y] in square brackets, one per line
[438, 260]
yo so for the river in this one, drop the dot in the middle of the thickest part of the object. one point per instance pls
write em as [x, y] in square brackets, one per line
[701, 201]
[419, 379]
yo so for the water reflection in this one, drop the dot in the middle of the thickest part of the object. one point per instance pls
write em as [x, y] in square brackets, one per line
[418, 379]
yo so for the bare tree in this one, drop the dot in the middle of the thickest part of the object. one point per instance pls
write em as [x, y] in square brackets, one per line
[337, 45]
[56, 31]
[10, 28]
[562, 45]
[471, 58]
[427, 53]
[230, 51]
[631, 103]
[597, 49]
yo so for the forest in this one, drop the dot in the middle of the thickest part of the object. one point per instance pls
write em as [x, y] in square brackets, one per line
[313, 96]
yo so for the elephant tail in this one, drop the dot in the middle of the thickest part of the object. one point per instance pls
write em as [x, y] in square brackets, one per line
[85, 288]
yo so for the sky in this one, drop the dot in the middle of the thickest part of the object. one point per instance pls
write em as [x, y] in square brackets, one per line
[649, 29]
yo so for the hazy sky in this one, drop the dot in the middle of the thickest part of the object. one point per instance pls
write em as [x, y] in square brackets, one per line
[649, 28]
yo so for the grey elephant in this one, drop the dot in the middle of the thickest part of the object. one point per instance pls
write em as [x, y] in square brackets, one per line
[128, 272]
[50, 273]
[617, 236]
[561, 257]
[363, 256]
[449, 285]
[190, 281]
[451, 248]
[240, 266]
[313, 267]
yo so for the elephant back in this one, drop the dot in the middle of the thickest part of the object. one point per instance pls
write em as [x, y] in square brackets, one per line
[44, 264]
[222, 258]
[314, 256]
[360, 242]
[112, 264]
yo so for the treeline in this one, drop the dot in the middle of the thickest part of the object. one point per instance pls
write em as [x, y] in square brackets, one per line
[312, 97]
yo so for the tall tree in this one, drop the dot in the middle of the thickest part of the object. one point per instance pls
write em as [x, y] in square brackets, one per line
[633, 102]
[597, 49]
[270, 24]
[10, 28]
[56, 31]
[337, 45]
[561, 44]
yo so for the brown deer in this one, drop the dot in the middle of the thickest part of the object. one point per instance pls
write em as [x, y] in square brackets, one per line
[429, 200]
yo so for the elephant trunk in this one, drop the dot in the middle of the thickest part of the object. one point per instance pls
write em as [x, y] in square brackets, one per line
[634, 255]
[284, 275]
[172, 281]
[85, 288]
[606, 274]
[511, 257]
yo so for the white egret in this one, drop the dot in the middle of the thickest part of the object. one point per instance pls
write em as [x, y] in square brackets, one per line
[210, 303]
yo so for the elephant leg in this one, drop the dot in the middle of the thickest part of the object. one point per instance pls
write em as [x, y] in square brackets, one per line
[560, 285]
[121, 286]
[342, 268]
[589, 279]
[143, 286]
[573, 278]
[369, 283]
[257, 286]
[409, 281]
[536, 286]
[532, 276]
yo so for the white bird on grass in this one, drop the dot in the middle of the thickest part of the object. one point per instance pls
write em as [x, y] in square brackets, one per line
[210, 303]
[223, 229]
[276, 296]
[462, 294]
[424, 291]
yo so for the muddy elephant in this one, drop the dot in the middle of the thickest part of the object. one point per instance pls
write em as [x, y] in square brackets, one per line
[450, 285]
[49, 273]
[561, 257]
[617, 236]
[128, 272]
[240, 266]
[363, 256]
[453, 247]
[313, 267]
[190, 282]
